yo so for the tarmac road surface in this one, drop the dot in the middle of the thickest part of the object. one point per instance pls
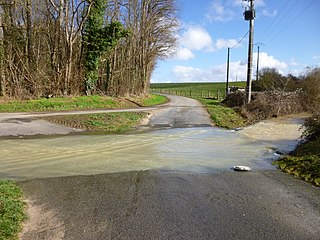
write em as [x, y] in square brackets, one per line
[154, 204]
[172, 205]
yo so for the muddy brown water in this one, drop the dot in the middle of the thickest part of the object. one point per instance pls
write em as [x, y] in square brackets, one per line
[203, 149]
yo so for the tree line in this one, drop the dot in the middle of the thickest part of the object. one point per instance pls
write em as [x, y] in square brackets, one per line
[74, 47]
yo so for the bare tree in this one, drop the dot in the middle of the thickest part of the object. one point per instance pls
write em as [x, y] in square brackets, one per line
[41, 46]
[152, 24]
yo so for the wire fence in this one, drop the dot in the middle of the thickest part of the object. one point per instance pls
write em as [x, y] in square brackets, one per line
[218, 95]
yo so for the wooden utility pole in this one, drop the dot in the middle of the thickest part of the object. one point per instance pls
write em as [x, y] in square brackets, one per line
[249, 15]
[228, 63]
[257, 73]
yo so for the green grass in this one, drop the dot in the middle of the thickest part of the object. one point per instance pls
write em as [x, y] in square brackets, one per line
[304, 162]
[58, 104]
[194, 89]
[209, 94]
[153, 99]
[223, 116]
[102, 122]
[11, 210]
[75, 103]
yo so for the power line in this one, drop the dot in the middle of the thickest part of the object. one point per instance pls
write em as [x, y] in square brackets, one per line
[240, 41]
[228, 61]
[274, 19]
[291, 22]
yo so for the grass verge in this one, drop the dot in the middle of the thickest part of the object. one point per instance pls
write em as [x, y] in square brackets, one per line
[222, 116]
[11, 210]
[304, 162]
[151, 100]
[76, 103]
[102, 122]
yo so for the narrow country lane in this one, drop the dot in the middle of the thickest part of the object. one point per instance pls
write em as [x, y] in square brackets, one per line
[179, 112]
[172, 184]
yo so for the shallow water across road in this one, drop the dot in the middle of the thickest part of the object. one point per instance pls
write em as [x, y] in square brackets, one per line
[204, 149]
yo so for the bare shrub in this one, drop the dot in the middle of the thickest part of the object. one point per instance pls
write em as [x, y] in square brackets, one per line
[312, 89]
[312, 125]
[267, 104]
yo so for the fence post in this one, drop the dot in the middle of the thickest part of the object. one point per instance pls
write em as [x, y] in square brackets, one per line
[218, 97]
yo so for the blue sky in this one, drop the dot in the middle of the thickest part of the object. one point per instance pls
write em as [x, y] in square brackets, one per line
[289, 30]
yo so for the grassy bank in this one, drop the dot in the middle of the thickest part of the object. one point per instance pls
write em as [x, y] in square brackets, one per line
[77, 103]
[304, 162]
[223, 116]
[210, 95]
[102, 122]
[11, 210]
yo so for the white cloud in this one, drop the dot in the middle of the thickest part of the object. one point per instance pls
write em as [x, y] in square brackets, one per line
[183, 54]
[293, 62]
[196, 38]
[268, 61]
[257, 3]
[227, 10]
[217, 73]
[267, 13]
[238, 71]
[217, 12]
[223, 43]
[190, 74]
[316, 57]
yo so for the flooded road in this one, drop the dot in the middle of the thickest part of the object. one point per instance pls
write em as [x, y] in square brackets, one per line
[172, 179]
[201, 150]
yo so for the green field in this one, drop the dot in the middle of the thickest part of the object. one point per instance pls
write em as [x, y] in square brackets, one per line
[196, 90]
